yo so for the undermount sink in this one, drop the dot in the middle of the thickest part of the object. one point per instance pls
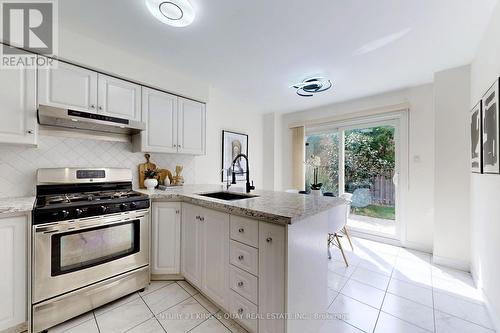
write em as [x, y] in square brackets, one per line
[229, 196]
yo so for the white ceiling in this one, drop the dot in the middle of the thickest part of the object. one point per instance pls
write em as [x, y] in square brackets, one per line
[256, 49]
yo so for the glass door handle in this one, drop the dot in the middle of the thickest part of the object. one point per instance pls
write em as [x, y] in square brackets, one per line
[395, 178]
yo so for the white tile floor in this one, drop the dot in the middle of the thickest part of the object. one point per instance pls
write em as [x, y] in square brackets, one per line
[172, 307]
[390, 289]
[385, 289]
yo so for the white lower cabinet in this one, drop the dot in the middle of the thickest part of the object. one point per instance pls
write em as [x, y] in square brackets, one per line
[205, 251]
[166, 238]
[13, 280]
[239, 263]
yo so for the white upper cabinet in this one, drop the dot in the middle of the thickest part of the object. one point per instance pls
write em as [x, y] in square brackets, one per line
[166, 238]
[18, 123]
[191, 127]
[159, 112]
[14, 279]
[119, 98]
[67, 86]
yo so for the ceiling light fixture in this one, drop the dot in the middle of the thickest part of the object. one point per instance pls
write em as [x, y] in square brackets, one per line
[177, 13]
[311, 86]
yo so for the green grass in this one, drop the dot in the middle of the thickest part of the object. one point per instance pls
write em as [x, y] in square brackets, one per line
[381, 212]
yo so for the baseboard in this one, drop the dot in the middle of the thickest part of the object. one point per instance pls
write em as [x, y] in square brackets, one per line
[495, 320]
[451, 263]
[23, 327]
[165, 277]
[417, 246]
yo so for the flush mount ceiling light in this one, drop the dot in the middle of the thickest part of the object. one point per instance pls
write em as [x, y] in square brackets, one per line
[177, 13]
[314, 85]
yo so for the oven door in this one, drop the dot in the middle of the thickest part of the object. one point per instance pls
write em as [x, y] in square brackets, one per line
[73, 254]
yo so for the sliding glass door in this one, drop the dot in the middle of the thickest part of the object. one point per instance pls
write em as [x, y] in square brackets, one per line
[360, 162]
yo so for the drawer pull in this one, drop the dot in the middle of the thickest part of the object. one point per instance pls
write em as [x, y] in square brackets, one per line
[269, 239]
[240, 284]
[240, 310]
[241, 257]
[241, 230]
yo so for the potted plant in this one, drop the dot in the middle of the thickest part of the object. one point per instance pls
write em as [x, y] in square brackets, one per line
[151, 180]
[315, 163]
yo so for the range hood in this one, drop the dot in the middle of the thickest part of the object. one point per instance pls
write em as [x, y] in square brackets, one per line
[59, 117]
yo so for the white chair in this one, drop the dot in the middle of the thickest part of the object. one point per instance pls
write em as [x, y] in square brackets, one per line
[337, 220]
[348, 198]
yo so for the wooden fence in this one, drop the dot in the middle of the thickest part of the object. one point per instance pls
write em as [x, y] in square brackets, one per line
[383, 191]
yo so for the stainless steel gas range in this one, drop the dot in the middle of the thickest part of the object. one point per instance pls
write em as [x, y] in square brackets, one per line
[89, 242]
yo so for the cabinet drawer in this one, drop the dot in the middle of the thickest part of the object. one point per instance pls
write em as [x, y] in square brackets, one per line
[243, 283]
[244, 257]
[244, 311]
[245, 230]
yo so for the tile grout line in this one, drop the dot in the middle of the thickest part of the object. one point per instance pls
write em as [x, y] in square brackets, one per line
[96, 323]
[385, 294]
[154, 316]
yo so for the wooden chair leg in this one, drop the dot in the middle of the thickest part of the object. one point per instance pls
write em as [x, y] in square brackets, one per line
[348, 237]
[341, 250]
[329, 244]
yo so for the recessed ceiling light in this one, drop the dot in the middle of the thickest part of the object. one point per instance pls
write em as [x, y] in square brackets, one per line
[177, 13]
[312, 86]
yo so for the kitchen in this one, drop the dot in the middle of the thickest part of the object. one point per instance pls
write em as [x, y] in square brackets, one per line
[117, 215]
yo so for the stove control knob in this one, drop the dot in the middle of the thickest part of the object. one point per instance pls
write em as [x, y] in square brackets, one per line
[64, 214]
[103, 209]
[133, 205]
[123, 206]
[78, 212]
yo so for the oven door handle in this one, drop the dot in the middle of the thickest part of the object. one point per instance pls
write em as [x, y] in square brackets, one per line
[72, 227]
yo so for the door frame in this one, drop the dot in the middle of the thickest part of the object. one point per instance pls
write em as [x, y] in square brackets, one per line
[399, 120]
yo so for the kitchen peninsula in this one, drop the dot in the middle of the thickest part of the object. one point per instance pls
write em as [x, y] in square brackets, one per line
[259, 258]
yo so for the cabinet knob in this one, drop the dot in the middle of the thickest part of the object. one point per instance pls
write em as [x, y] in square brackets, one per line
[241, 230]
[240, 311]
[100, 107]
[30, 131]
[179, 146]
[269, 239]
[241, 257]
[92, 106]
[240, 284]
[197, 217]
[202, 218]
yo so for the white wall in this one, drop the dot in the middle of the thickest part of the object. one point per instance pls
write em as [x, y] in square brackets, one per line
[225, 113]
[485, 189]
[451, 198]
[419, 214]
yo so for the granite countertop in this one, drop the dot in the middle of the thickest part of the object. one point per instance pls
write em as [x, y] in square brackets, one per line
[16, 205]
[270, 206]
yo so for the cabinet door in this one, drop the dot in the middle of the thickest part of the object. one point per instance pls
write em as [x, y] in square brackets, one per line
[166, 238]
[271, 276]
[13, 280]
[119, 98]
[67, 86]
[159, 112]
[215, 255]
[191, 127]
[191, 244]
[18, 123]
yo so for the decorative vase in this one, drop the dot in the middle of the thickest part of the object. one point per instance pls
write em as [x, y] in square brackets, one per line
[317, 193]
[151, 183]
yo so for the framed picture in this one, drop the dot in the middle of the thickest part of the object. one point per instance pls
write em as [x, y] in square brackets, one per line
[476, 138]
[232, 145]
[490, 130]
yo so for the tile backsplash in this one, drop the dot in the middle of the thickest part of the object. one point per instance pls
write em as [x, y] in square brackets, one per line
[18, 164]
